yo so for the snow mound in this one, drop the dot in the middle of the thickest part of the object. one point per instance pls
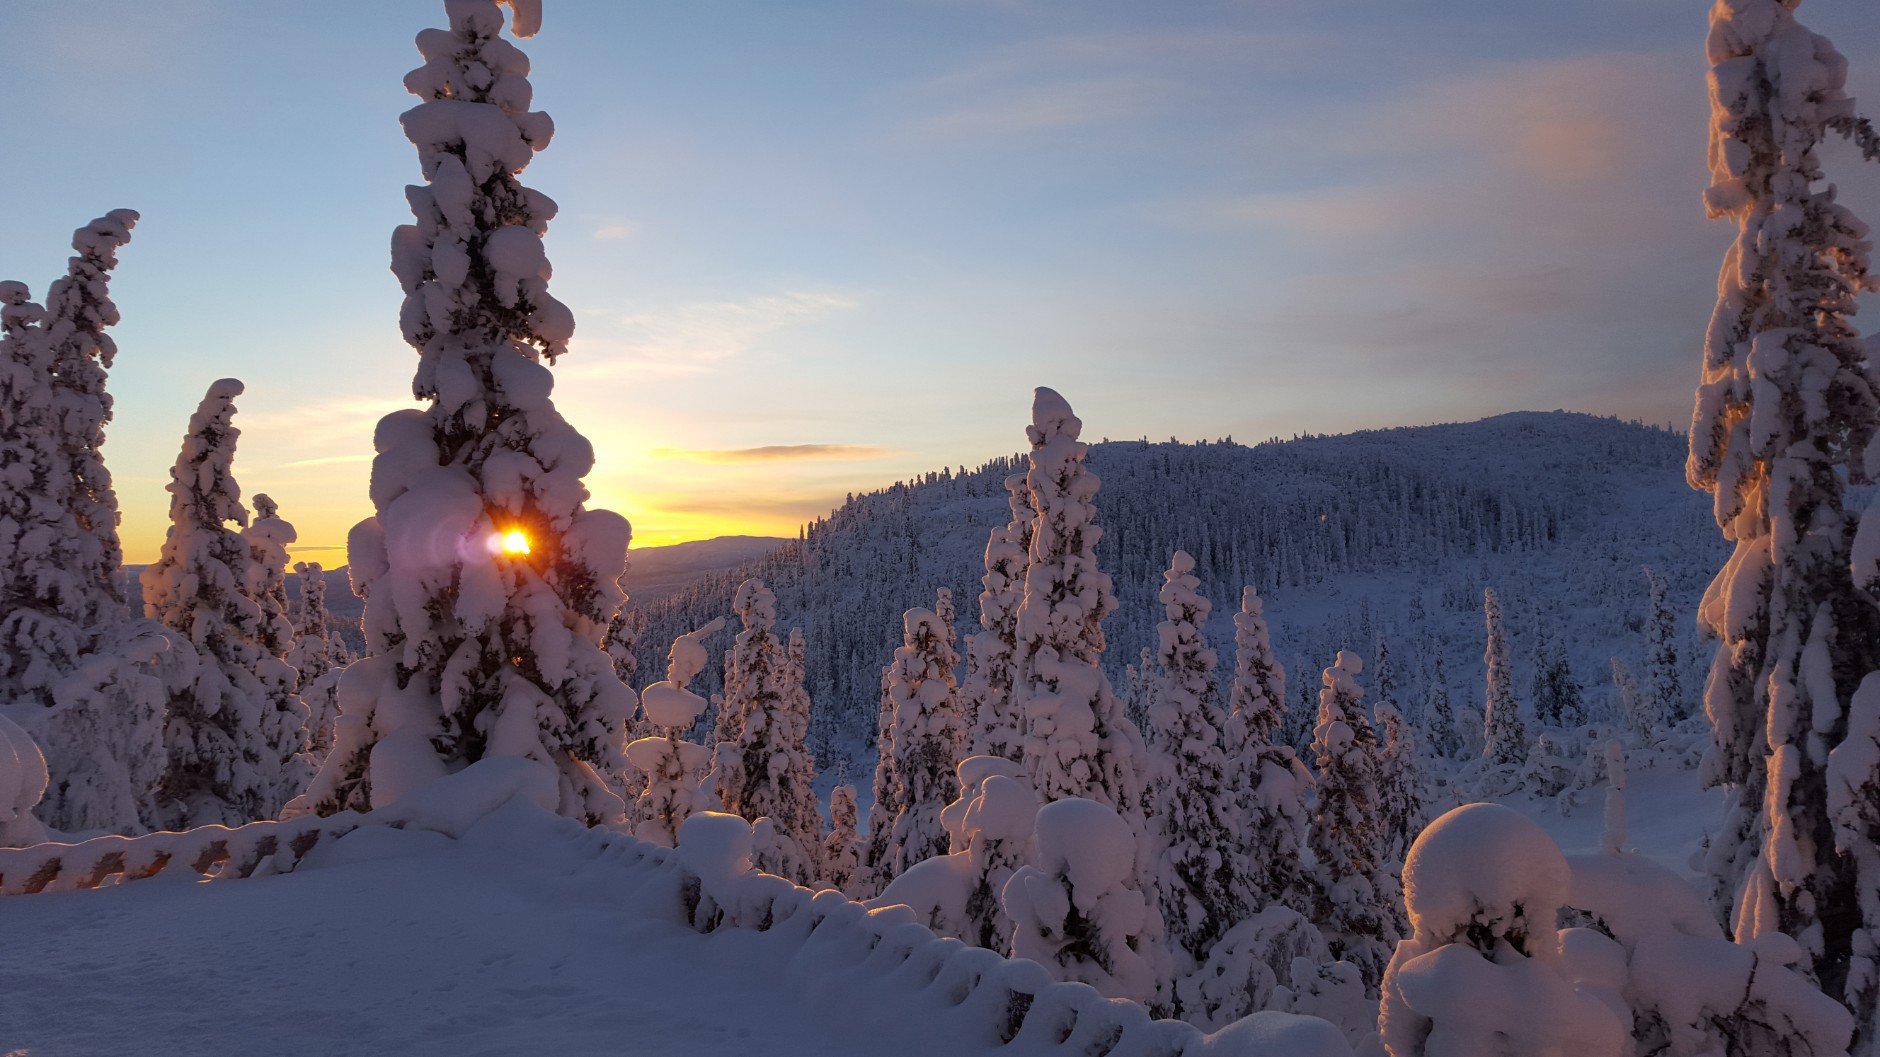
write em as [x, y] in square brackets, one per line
[22, 785]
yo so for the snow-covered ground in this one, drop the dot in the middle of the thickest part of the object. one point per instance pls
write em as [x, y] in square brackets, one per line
[520, 938]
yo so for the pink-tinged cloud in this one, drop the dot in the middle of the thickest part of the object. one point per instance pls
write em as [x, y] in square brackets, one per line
[776, 453]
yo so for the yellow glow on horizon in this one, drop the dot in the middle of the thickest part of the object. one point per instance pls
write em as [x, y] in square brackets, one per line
[515, 542]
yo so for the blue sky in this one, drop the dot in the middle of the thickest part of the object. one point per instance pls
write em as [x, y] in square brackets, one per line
[816, 246]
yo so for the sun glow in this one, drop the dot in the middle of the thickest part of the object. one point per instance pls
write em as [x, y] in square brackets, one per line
[514, 542]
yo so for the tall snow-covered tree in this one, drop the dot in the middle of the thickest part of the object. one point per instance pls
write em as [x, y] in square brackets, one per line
[1193, 817]
[1402, 784]
[766, 772]
[996, 728]
[488, 582]
[1504, 735]
[1271, 786]
[927, 733]
[233, 736]
[880, 862]
[1664, 690]
[1786, 417]
[1359, 905]
[674, 768]
[64, 637]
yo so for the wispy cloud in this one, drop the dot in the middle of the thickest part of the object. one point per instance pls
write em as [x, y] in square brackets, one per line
[775, 453]
[1067, 104]
[615, 230]
[691, 338]
[323, 461]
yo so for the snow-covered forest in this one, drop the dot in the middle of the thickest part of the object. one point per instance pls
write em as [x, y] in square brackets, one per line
[1544, 734]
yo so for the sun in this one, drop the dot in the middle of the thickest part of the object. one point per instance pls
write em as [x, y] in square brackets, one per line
[514, 542]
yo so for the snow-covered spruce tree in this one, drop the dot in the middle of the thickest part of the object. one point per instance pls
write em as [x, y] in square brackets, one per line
[880, 861]
[1139, 685]
[1403, 786]
[995, 727]
[233, 735]
[623, 635]
[1271, 786]
[1359, 904]
[1193, 819]
[1076, 743]
[674, 768]
[1556, 692]
[766, 772]
[1504, 736]
[1439, 716]
[1786, 418]
[488, 583]
[64, 638]
[926, 737]
[1631, 701]
[319, 655]
[1664, 692]
[842, 848]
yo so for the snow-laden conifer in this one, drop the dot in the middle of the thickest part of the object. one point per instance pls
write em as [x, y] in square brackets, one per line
[65, 640]
[488, 582]
[319, 655]
[1786, 411]
[1359, 904]
[1504, 736]
[1193, 816]
[233, 736]
[880, 863]
[927, 733]
[1664, 690]
[673, 767]
[766, 772]
[1439, 716]
[623, 636]
[996, 728]
[1271, 786]
[1403, 785]
[1631, 701]
[842, 848]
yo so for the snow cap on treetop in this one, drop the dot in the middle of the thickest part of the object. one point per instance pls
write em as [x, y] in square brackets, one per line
[1051, 416]
[1486, 867]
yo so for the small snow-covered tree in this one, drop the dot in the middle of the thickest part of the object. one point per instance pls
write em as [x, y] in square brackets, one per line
[233, 736]
[1271, 786]
[1786, 419]
[1439, 715]
[1631, 702]
[1192, 809]
[927, 733]
[1482, 973]
[1664, 692]
[1402, 785]
[674, 768]
[489, 584]
[319, 656]
[1358, 905]
[996, 728]
[766, 772]
[1504, 736]
[842, 848]
[1556, 692]
[880, 860]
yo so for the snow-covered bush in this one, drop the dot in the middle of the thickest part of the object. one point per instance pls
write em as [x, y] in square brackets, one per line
[1247, 966]
[22, 785]
[1076, 909]
[488, 583]
[235, 734]
[1482, 973]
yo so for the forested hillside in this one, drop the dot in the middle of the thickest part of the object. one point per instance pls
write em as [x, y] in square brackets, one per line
[1388, 536]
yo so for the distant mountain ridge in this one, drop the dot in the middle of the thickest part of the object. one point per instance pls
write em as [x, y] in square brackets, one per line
[1389, 533]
